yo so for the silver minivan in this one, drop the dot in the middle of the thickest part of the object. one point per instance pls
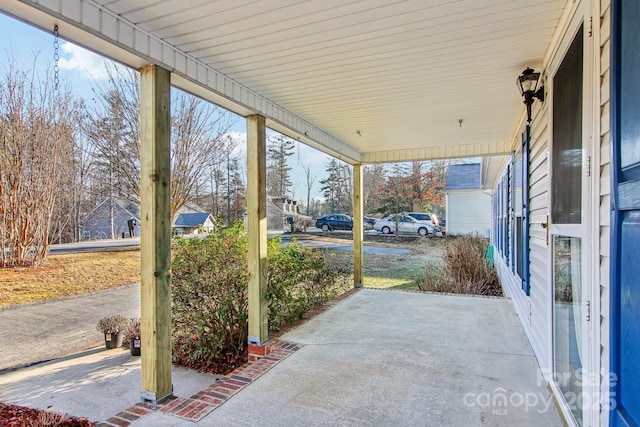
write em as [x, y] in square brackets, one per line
[425, 217]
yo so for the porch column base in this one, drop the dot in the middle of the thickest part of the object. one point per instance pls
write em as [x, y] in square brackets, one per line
[257, 351]
[150, 397]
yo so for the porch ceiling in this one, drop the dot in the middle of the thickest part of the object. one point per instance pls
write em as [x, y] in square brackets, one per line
[366, 80]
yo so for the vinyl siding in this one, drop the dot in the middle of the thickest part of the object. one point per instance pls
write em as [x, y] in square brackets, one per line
[540, 293]
[605, 196]
[534, 310]
[468, 212]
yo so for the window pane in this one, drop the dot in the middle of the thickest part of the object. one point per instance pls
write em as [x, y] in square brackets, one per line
[517, 201]
[566, 196]
[518, 246]
[567, 321]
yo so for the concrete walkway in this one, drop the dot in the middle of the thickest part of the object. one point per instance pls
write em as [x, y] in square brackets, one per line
[44, 331]
[379, 358]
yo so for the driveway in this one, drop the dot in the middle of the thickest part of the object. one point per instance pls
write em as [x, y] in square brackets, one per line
[37, 332]
[95, 245]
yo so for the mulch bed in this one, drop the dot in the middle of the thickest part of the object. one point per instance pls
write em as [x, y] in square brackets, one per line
[19, 416]
[223, 364]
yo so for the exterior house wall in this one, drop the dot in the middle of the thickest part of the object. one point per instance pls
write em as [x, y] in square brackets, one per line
[97, 224]
[207, 227]
[535, 309]
[603, 157]
[468, 212]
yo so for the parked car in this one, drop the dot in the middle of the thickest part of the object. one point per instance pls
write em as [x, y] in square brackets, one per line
[335, 222]
[368, 222]
[443, 226]
[406, 225]
[425, 217]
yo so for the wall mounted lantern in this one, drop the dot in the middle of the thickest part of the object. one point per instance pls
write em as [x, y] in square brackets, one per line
[528, 85]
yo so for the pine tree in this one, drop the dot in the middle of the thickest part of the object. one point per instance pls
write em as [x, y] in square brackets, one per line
[278, 171]
[337, 188]
[238, 191]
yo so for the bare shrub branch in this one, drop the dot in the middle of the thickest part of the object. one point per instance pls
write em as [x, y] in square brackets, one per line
[36, 135]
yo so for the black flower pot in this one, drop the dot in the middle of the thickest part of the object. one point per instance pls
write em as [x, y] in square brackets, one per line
[112, 340]
[134, 346]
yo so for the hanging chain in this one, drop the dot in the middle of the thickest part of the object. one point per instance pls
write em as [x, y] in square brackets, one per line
[56, 58]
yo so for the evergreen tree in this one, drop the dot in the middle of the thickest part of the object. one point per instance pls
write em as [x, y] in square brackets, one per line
[337, 188]
[278, 171]
[238, 191]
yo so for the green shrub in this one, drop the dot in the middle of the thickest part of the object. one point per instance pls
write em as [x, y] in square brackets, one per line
[209, 289]
[297, 280]
[466, 269]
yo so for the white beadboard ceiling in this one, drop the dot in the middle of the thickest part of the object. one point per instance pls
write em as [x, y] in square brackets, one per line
[380, 79]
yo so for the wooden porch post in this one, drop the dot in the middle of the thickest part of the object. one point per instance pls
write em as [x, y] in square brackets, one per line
[358, 230]
[155, 234]
[257, 229]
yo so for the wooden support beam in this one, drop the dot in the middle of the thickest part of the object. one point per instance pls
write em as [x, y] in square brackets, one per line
[358, 229]
[155, 234]
[257, 228]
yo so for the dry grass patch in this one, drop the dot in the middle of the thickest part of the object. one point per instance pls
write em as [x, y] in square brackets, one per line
[393, 271]
[69, 274]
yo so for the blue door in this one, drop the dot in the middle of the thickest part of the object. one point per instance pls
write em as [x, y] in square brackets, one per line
[625, 238]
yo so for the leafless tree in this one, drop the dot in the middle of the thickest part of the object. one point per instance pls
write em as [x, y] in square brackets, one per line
[309, 180]
[113, 129]
[375, 178]
[36, 135]
[199, 141]
[74, 202]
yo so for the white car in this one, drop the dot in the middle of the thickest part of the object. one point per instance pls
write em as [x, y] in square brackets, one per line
[425, 217]
[406, 225]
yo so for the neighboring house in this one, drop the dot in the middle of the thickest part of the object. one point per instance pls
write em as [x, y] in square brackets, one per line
[289, 212]
[468, 205]
[279, 210]
[194, 223]
[97, 224]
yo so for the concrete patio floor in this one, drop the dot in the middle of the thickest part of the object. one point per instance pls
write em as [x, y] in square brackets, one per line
[378, 357]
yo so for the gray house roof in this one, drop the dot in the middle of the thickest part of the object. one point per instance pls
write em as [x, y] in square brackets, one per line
[464, 177]
[191, 219]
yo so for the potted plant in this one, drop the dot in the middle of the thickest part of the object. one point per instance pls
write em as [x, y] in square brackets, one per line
[112, 327]
[132, 336]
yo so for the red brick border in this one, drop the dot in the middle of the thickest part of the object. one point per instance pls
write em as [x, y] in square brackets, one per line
[261, 359]
[201, 404]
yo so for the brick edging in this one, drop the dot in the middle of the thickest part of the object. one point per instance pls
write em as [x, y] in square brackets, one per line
[201, 404]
